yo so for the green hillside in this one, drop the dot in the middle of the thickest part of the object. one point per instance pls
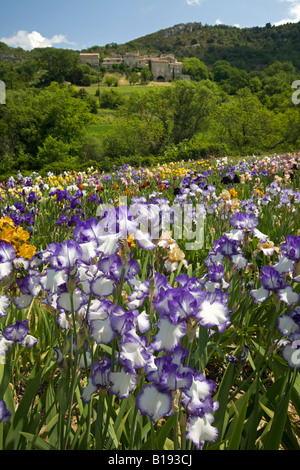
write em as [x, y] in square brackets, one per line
[246, 48]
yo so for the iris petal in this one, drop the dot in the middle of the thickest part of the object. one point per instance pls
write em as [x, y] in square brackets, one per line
[168, 336]
[154, 403]
[200, 430]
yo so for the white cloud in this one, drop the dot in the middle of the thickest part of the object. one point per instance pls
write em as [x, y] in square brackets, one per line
[219, 21]
[34, 39]
[194, 2]
[293, 12]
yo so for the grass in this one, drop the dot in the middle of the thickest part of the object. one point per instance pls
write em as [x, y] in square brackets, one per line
[102, 122]
[98, 130]
[123, 87]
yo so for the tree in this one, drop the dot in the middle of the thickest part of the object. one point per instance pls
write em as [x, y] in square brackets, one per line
[30, 118]
[150, 121]
[145, 76]
[276, 83]
[192, 105]
[58, 64]
[111, 99]
[195, 68]
[133, 137]
[110, 80]
[231, 79]
[247, 126]
[55, 150]
[133, 78]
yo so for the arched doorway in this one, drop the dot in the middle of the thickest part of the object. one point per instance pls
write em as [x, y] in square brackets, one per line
[160, 78]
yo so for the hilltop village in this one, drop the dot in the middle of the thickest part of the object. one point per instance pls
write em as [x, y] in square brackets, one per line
[163, 69]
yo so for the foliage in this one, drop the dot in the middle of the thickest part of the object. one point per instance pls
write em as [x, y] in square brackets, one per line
[111, 80]
[151, 121]
[195, 69]
[244, 48]
[133, 78]
[59, 64]
[40, 123]
[111, 99]
[145, 75]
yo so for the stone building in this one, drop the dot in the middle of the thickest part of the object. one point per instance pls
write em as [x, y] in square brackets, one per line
[131, 59]
[163, 69]
[166, 68]
[115, 59]
[89, 58]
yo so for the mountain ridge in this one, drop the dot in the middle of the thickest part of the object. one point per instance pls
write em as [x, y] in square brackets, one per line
[247, 48]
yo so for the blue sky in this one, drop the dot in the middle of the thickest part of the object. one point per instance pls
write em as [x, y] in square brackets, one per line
[78, 24]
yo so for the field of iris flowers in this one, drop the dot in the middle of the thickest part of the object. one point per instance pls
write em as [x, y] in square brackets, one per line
[152, 309]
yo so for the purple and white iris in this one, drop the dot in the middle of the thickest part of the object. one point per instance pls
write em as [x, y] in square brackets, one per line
[5, 414]
[98, 378]
[29, 287]
[289, 327]
[19, 333]
[244, 222]
[291, 253]
[7, 256]
[176, 305]
[15, 333]
[272, 280]
[226, 247]
[4, 305]
[291, 351]
[114, 224]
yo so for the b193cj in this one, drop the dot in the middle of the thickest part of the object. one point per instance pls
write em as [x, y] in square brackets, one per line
[172, 459]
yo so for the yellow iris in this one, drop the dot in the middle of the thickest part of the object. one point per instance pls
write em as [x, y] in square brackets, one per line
[17, 237]
[233, 192]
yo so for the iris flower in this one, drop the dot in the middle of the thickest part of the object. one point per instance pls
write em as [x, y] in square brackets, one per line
[153, 402]
[177, 305]
[15, 333]
[112, 266]
[289, 326]
[98, 378]
[4, 304]
[291, 251]
[66, 256]
[291, 247]
[134, 352]
[169, 335]
[272, 280]
[141, 290]
[5, 414]
[291, 351]
[99, 317]
[7, 255]
[200, 429]
[122, 382]
[289, 323]
[244, 223]
[167, 374]
[5, 345]
[29, 287]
